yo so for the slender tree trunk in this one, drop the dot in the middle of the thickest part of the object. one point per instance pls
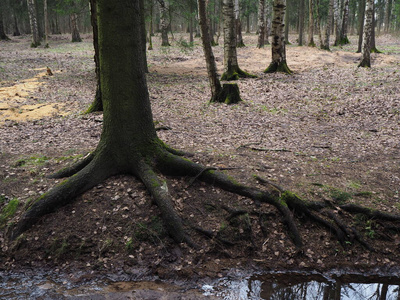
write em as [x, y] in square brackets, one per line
[191, 37]
[301, 21]
[343, 39]
[163, 23]
[267, 22]
[319, 24]
[97, 104]
[34, 24]
[287, 28]
[238, 26]
[76, 37]
[3, 35]
[261, 23]
[46, 23]
[366, 50]
[361, 14]
[336, 12]
[311, 42]
[278, 48]
[387, 15]
[16, 28]
[373, 41]
[325, 45]
[231, 66]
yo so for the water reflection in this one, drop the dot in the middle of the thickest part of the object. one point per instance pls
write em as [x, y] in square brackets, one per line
[310, 287]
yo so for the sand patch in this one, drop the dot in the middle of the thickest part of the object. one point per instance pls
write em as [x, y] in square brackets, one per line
[17, 104]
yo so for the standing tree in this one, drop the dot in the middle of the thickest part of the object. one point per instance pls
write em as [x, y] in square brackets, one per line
[343, 39]
[34, 23]
[267, 21]
[387, 15]
[129, 145]
[229, 93]
[336, 16]
[261, 23]
[326, 41]
[301, 21]
[366, 50]
[231, 66]
[3, 35]
[278, 47]
[163, 23]
[46, 23]
[361, 16]
[311, 42]
[238, 25]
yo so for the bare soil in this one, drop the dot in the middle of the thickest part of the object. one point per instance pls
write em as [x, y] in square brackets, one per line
[330, 132]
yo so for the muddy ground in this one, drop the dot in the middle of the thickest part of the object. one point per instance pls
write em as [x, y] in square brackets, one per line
[330, 132]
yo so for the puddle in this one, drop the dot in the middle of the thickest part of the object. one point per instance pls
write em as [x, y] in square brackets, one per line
[13, 101]
[272, 286]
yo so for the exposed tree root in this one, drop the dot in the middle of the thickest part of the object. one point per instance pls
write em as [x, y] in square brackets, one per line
[235, 74]
[98, 166]
[229, 94]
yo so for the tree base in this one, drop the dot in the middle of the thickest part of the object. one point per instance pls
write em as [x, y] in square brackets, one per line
[278, 67]
[229, 94]
[236, 74]
[240, 45]
[375, 50]
[365, 63]
[165, 45]
[97, 105]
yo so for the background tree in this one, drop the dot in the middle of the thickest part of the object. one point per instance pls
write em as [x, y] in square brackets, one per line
[261, 23]
[3, 35]
[76, 37]
[326, 41]
[336, 16]
[163, 23]
[34, 23]
[368, 24]
[278, 47]
[231, 66]
[343, 39]
[311, 42]
[361, 14]
[301, 21]
[238, 25]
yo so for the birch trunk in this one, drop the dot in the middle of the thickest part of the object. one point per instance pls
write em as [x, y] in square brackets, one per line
[336, 10]
[278, 48]
[261, 23]
[311, 42]
[33, 23]
[361, 14]
[366, 49]
[163, 23]
[343, 40]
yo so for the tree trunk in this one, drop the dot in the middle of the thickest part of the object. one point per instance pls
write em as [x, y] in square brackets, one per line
[278, 47]
[16, 31]
[3, 35]
[261, 23]
[267, 22]
[287, 28]
[76, 37]
[318, 23]
[361, 14]
[97, 104]
[387, 15]
[366, 50]
[336, 14]
[34, 24]
[163, 23]
[238, 23]
[311, 42]
[343, 39]
[373, 41]
[231, 66]
[46, 23]
[325, 45]
[301, 21]
[143, 31]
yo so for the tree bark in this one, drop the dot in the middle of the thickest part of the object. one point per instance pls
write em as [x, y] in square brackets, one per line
[46, 23]
[343, 39]
[143, 35]
[261, 23]
[163, 23]
[311, 42]
[33, 23]
[366, 50]
[387, 15]
[3, 35]
[231, 66]
[97, 104]
[301, 22]
[336, 13]
[76, 37]
[238, 23]
[267, 22]
[361, 14]
[278, 47]
[325, 44]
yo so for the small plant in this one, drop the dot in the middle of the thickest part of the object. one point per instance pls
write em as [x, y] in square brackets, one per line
[340, 196]
[129, 245]
[369, 228]
[8, 211]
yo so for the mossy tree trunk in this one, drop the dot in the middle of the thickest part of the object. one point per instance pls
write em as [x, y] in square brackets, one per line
[261, 24]
[231, 66]
[278, 46]
[164, 23]
[97, 104]
[218, 93]
[325, 43]
[366, 49]
[343, 39]
[310, 41]
[33, 23]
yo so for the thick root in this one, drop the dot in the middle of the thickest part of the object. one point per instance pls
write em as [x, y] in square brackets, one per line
[229, 94]
[75, 168]
[278, 67]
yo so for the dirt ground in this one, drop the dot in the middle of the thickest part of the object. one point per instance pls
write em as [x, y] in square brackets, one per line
[330, 132]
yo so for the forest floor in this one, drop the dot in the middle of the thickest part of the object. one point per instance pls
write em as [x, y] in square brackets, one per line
[329, 132]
